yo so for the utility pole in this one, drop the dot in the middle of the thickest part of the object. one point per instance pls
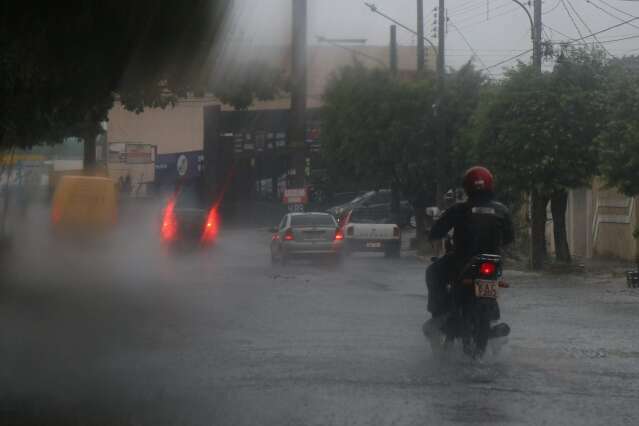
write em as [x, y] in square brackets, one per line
[393, 50]
[297, 117]
[440, 146]
[441, 35]
[420, 37]
[537, 35]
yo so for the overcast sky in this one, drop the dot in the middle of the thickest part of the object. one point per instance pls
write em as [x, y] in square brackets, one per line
[496, 29]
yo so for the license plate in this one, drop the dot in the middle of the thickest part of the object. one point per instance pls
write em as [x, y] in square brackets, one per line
[373, 245]
[486, 289]
[313, 235]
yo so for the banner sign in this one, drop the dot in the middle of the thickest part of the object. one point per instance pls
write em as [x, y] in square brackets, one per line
[295, 196]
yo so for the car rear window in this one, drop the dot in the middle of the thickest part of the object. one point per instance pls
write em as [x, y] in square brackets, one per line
[188, 198]
[370, 215]
[313, 220]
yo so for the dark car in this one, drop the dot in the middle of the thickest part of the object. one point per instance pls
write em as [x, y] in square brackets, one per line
[188, 220]
[379, 200]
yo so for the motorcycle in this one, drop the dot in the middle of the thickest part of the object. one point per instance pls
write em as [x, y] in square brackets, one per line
[474, 308]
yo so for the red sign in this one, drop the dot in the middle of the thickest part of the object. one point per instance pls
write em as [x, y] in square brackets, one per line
[295, 196]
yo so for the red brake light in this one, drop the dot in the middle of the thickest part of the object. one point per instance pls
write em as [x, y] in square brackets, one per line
[487, 269]
[169, 224]
[211, 226]
[339, 235]
[56, 216]
[288, 235]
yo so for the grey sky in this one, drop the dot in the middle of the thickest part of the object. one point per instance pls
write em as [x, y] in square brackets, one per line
[497, 29]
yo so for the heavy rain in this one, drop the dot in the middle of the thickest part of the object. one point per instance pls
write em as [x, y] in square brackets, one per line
[319, 212]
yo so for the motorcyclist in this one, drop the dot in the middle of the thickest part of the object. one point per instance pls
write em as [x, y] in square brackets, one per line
[480, 225]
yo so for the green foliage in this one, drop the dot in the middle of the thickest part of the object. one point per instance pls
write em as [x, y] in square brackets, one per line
[537, 131]
[241, 85]
[380, 130]
[62, 63]
[620, 137]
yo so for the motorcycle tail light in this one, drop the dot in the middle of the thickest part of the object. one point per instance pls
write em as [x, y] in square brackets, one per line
[288, 235]
[339, 235]
[487, 269]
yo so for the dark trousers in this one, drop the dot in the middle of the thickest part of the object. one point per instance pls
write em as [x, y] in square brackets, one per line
[437, 276]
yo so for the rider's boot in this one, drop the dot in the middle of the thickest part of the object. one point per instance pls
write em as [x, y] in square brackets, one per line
[499, 330]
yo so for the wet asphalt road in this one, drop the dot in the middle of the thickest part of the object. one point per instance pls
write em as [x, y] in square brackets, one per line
[119, 332]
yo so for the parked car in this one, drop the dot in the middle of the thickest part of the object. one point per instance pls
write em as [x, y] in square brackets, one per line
[368, 229]
[306, 235]
[187, 220]
[375, 199]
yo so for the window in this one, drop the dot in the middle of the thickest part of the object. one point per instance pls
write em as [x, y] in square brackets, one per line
[312, 220]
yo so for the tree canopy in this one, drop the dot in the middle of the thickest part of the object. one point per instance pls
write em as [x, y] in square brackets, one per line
[538, 130]
[62, 63]
[619, 139]
[385, 131]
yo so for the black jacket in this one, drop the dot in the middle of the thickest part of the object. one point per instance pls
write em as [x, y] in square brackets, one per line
[481, 225]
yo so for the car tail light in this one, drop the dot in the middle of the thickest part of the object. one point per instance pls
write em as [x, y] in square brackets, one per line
[169, 224]
[211, 226]
[339, 235]
[288, 235]
[396, 231]
[56, 216]
[487, 269]
[350, 231]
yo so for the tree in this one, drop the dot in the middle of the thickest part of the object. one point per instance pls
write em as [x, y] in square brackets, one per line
[619, 139]
[371, 123]
[61, 65]
[379, 130]
[537, 132]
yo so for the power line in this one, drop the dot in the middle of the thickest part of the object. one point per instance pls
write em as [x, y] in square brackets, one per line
[587, 27]
[507, 60]
[470, 47]
[552, 8]
[464, 5]
[481, 13]
[616, 8]
[612, 27]
[472, 24]
[572, 19]
[563, 42]
[374, 9]
[355, 52]
[609, 13]
[557, 31]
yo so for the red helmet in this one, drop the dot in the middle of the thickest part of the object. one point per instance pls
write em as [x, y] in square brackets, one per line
[478, 179]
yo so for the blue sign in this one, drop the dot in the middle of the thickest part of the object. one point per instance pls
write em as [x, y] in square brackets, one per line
[179, 165]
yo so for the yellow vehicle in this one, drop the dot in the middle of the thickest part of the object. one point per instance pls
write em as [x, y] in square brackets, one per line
[85, 204]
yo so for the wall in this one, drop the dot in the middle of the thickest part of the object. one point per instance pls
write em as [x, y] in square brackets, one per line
[600, 223]
[174, 129]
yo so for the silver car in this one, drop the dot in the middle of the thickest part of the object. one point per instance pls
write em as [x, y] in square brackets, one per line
[306, 235]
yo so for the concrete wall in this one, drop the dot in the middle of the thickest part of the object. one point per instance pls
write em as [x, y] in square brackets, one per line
[174, 129]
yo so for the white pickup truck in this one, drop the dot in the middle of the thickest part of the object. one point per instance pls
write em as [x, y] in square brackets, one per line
[367, 229]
